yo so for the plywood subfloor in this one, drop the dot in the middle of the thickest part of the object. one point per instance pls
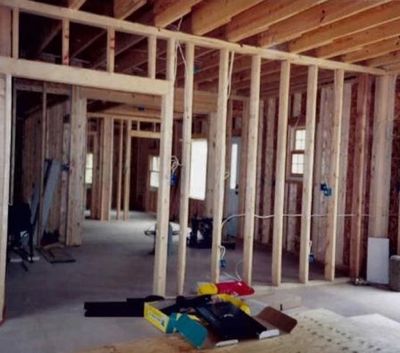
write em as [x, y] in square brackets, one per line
[317, 331]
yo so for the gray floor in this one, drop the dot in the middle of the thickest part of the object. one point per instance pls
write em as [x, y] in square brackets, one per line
[45, 305]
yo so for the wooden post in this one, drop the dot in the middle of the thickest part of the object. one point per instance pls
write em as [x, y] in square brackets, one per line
[107, 167]
[127, 168]
[76, 182]
[185, 169]
[268, 169]
[243, 165]
[152, 56]
[219, 163]
[359, 174]
[120, 167]
[167, 115]
[15, 34]
[381, 156]
[212, 120]
[42, 156]
[251, 166]
[94, 209]
[65, 42]
[344, 148]
[312, 89]
[5, 143]
[228, 157]
[259, 178]
[13, 135]
[332, 218]
[110, 49]
[280, 174]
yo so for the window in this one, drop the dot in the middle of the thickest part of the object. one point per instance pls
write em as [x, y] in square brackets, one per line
[154, 171]
[297, 153]
[234, 166]
[89, 169]
[198, 169]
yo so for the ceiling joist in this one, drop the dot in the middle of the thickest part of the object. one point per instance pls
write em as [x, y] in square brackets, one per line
[313, 18]
[378, 14]
[215, 13]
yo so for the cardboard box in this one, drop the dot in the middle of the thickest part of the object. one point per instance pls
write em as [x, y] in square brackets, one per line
[276, 322]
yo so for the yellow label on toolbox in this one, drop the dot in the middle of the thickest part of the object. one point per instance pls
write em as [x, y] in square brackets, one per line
[156, 317]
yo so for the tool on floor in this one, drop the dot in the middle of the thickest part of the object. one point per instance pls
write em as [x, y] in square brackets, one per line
[231, 287]
[20, 233]
[132, 307]
[230, 323]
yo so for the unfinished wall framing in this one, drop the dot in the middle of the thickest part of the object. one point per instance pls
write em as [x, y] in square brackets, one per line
[327, 116]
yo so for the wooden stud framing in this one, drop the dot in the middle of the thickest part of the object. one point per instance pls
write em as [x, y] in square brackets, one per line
[312, 88]
[120, 167]
[280, 174]
[15, 34]
[5, 143]
[381, 156]
[110, 49]
[94, 209]
[359, 175]
[252, 140]
[259, 179]
[106, 168]
[104, 22]
[42, 157]
[211, 138]
[185, 169]
[160, 262]
[152, 56]
[13, 136]
[244, 134]
[76, 187]
[228, 157]
[219, 172]
[127, 168]
[65, 42]
[332, 218]
[344, 148]
[268, 170]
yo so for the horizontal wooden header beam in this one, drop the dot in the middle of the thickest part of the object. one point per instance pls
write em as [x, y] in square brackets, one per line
[36, 70]
[141, 119]
[105, 22]
[146, 134]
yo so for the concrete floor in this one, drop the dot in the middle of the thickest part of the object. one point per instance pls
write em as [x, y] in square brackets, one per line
[45, 305]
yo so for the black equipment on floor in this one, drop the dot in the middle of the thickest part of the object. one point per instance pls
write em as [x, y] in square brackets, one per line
[201, 235]
[229, 322]
[132, 307]
[20, 232]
